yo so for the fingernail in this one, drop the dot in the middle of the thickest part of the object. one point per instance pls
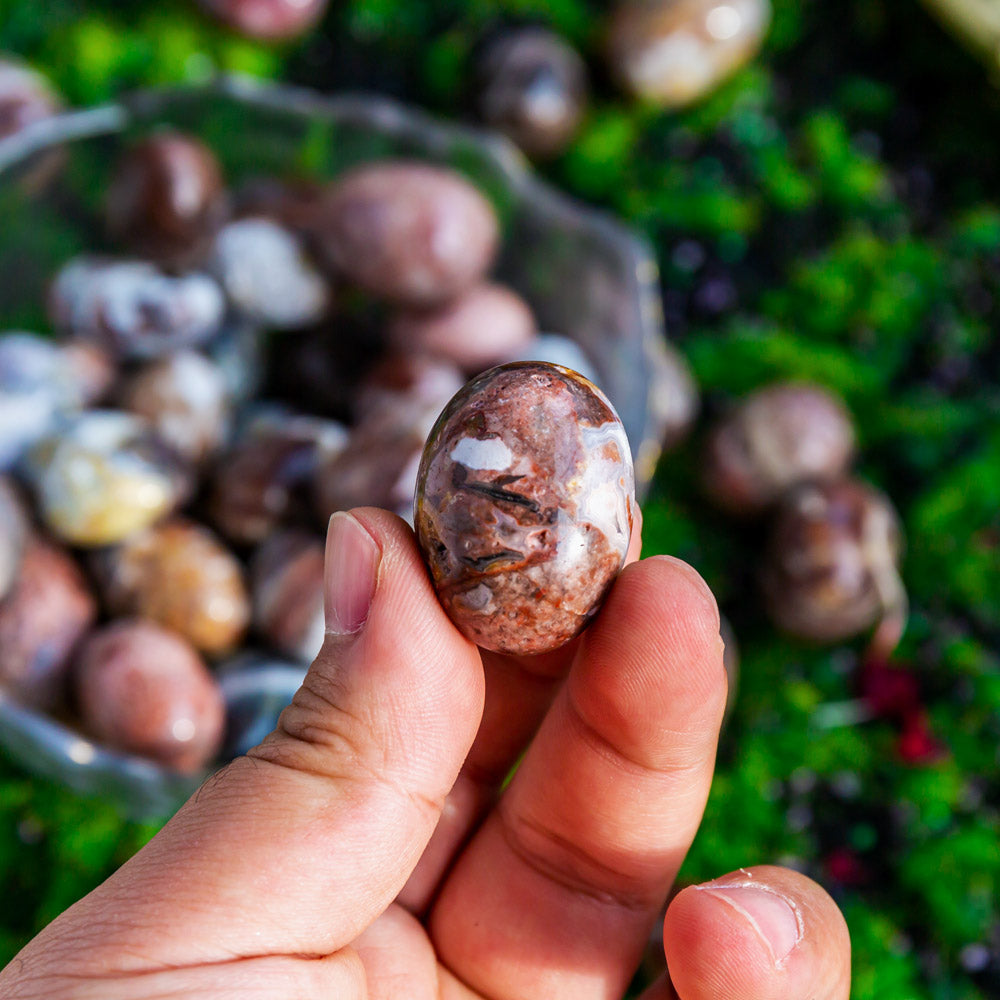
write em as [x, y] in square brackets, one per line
[774, 918]
[351, 574]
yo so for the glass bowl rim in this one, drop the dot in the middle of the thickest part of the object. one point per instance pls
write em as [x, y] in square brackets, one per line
[77, 750]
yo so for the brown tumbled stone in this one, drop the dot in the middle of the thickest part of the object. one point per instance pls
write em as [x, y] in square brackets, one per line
[524, 506]
[44, 616]
[477, 330]
[166, 196]
[418, 381]
[783, 434]
[13, 534]
[144, 690]
[831, 570]
[409, 232]
[184, 398]
[532, 86]
[287, 584]
[267, 479]
[267, 20]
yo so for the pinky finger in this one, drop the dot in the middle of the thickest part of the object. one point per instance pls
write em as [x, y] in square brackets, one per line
[757, 934]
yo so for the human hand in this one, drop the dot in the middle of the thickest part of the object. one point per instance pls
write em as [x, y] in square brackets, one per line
[365, 850]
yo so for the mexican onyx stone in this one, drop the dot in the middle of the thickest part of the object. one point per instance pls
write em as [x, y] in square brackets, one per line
[524, 506]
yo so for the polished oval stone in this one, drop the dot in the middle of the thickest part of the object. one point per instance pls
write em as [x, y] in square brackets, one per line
[47, 611]
[166, 197]
[13, 533]
[185, 399]
[673, 52]
[781, 435]
[180, 575]
[410, 232]
[263, 268]
[135, 309]
[142, 689]
[556, 349]
[32, 392]
[532, 85]
[104, 477]
[25, 97]
[287, 586]
[831, 569]
[267, 479]
[476, 330]
[524, 506]
[404, 380]
[268, 20]
[378, 465]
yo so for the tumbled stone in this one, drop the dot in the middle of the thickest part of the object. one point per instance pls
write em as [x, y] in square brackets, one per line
[524, 506]
[166, 197]
[103, 477]
[555, 349]
[143, 690]
[781, 435]
[43, 617]
[378, 464]
[238, 351]
[319, 369]
[831, 568]
[184, 398]
[292, 203]
[675, 402]
[268, 20]
[675, 51]
[410, 232]
[133, 308]
[402, 380]
[287, 585]
[257, 686]
[268, 478]
[31, 380]
[90, 369]
[41, 383]
[180, 575]
[476, 330]
[532, 85]
[263, 268]
[25, 97]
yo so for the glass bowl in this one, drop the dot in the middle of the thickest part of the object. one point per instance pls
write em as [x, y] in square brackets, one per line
[583, 273]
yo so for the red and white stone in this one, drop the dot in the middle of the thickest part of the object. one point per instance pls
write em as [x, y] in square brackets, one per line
[524, 506]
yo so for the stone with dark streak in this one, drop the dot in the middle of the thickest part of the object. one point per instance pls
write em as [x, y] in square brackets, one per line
[524, 506]
[831, 569]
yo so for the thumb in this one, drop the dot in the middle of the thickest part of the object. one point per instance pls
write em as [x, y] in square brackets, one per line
[297, 847]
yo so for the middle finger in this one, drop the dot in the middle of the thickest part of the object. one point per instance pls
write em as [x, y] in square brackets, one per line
[555, 894]
[519, 692]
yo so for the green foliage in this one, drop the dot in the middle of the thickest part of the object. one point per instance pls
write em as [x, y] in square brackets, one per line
[53, 849]
[958, 523]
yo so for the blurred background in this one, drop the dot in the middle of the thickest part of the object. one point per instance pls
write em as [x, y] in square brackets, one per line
[819, 183]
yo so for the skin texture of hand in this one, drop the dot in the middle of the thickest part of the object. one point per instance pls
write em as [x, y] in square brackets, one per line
[365, 851]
